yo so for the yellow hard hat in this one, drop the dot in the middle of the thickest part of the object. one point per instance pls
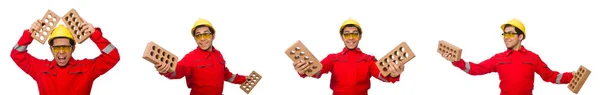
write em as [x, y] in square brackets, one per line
[516, 23]
[60, 31]
[205, 22]
[350, 21]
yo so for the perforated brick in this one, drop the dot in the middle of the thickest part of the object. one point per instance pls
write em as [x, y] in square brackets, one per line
[298, 52]
[251, 81]
[445, 47]
[400, 55]
[579, 79]
[49, 22]
[76, 24]
[156, 54]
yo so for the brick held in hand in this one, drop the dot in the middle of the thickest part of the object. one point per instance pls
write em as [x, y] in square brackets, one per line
[297, 52]
[251, 81]
[76, 25]
[400, 55]
[579, 79]
[157, 54]
[49, 22]
[445, 47]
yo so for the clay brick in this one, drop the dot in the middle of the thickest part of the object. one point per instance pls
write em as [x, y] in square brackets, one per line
[251, 81]
[76, 24]
[156, 54]
[49, 22]
[445, 47]
[400, 55]
[579, 79]
[298, 52]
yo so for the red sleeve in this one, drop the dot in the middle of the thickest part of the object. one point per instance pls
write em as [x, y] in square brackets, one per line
[374, 70]
[327, 64]
[234, 78]
[182, 69]
[23, 59]
[549, 75]
[109, 55]
[485, 67]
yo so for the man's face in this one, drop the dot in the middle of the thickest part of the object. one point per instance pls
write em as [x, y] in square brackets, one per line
[62, 51]
[351, 37]
[511, 38]
[204, 37]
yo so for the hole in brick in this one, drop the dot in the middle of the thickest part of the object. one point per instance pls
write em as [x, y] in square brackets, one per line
[41, 37]
[48, 29]
[396, 61]
[71, 14]
[77, 24]
[306, 57]
[173, 59]
[386, 60]
[405, 54]
[396, 53]
[46, 21]
[301, 53]
[296, 57]
[162, 53]
[44, 33]
[314, 67]
[247, 89]
[75, 19]
[158, 50]
[401, 49]
[152, 54]
[391, 56]
[292, 52]
[155, 56]
[79, 36]
[309, 70]
[400, 58]
[154, 48]
[162, 59]
[380, 64]
[168, 56]
[385, 69]
[297, 48]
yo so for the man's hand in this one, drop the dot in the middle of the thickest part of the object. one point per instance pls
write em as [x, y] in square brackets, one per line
[35, 26]
[162, 68]
[88, 26]
[447, 57]
[301, 66]
[396, 69]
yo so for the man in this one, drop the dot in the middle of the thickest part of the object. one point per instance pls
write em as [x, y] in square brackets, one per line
[65, 75]
[204, 67]
[515, 66]
[351, 69]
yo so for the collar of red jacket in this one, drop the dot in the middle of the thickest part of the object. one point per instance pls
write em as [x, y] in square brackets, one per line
[346, 50]
[510, 51]
[54, 64]
[205, 54]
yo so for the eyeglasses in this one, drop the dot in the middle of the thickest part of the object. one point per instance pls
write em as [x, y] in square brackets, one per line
[204, 35]
[509, 35]
[350, 35]
[64, 48]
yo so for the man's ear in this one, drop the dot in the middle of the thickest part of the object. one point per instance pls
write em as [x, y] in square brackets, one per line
[73, 49]
[521, 37]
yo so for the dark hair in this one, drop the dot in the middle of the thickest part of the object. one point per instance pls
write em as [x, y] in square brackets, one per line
[350, 25]
[212, 31]
[70, 41]
[519, 31]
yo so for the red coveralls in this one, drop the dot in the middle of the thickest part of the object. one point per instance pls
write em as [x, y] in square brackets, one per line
[515, 69]
[76, 78]
[351, 72]
[205, 72]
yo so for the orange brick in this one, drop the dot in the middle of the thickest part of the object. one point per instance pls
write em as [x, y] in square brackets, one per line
[76, 24]
[156, 54]
[579, 79]
[298, 52]
[400, 55]
[251, 81]
[49, 22]
[445, 47]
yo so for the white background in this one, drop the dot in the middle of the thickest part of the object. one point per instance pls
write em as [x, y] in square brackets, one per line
[253, 35]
